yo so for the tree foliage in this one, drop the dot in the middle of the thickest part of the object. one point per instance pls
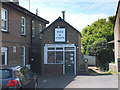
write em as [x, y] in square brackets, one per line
[102, 50]
[99, 29]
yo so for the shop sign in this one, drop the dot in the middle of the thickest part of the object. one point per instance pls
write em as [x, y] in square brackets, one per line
[60, 35]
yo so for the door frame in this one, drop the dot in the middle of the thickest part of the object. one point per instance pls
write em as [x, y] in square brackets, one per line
[74, 59]
[4, 49]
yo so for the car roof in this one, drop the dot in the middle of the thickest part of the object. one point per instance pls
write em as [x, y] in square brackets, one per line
[9, 66]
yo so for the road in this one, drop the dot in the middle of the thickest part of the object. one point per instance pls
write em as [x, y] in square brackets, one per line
[80, 81]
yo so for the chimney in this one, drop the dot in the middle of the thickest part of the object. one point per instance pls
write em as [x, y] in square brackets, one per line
[63, 12]
[16, 2]
[37, 12]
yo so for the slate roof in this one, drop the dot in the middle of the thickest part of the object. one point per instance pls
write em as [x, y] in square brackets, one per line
[60, 19]
[21, 9]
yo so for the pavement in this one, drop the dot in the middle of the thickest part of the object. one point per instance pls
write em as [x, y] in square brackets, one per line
[80, 81]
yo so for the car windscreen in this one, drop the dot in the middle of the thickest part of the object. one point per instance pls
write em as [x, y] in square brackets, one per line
[5, 73]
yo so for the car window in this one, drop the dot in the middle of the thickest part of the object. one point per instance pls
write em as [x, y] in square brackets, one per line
[5, 73]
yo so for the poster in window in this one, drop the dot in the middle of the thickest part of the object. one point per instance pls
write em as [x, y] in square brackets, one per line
[60, 35]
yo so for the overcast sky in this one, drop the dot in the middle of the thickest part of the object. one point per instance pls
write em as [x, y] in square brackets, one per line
[78, 13]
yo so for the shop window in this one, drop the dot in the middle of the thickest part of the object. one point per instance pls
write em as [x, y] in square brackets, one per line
[23, 26]
[59, 57]
[55, 57]
[51, 48]
[4, 20]
[51, 57]
[59, 48]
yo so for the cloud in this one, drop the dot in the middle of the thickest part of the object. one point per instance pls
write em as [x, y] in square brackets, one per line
[76, 14]
[77, 21]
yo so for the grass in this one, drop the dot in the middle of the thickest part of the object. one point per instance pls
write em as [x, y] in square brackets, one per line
[113, 72]
[97, 71]
[112, 62]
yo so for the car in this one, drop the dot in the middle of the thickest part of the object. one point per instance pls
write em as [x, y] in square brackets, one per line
[16, 77]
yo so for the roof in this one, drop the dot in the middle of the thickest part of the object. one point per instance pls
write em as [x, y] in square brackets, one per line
[60, 19]
[21, 9]
[116, 13]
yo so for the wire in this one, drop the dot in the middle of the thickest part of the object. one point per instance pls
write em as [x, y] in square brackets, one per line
[85, 10]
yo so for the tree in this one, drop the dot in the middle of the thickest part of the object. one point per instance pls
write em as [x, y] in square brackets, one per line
[99, 29]
[101, 49]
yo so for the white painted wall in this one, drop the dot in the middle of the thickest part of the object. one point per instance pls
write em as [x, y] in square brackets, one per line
[91, 59]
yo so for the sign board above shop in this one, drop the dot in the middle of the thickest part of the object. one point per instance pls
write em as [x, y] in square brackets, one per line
[60, 35]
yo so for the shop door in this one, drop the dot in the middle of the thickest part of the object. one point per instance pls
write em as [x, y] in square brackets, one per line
[69, 62]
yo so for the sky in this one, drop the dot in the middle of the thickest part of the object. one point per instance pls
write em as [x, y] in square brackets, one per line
[78, 13]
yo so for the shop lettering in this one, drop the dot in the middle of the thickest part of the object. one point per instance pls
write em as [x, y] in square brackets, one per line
[59, 31]
[59, 37]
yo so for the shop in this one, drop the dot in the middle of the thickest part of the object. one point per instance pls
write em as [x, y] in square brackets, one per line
[61, 49]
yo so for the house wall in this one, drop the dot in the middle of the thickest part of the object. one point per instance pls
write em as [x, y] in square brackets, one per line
[0, 33]
[117, 37]
[14, 38]
[73, 37]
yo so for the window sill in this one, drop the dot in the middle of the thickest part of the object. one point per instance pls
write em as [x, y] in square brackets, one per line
[23, 35]
[4, 31]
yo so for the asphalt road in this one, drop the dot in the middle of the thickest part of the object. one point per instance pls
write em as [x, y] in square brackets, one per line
[72, 81]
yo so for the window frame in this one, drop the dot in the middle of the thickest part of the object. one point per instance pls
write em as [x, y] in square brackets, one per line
[4, 50]
[46, 50]
[33, 28]
[23, 54]
[5, 20]
[23, 26]
[40, 30]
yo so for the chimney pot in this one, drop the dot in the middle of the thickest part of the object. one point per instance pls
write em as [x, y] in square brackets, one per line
[37, 12]
[63, 12]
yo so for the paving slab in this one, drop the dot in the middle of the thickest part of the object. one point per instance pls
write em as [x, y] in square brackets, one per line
[80, 81]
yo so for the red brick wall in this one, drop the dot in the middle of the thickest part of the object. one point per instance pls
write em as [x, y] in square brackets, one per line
[14, 38]
[72, 36]
[53, 69]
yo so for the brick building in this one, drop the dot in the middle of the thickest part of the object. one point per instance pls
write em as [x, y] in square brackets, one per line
[117, 37]
[20, 31]
[61, 49]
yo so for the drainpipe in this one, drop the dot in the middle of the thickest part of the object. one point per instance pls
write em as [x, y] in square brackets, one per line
[31, 39]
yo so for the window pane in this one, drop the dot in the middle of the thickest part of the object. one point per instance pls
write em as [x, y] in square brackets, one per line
[40, 27]
[22, 29]
[69, 48]
[3, 24]
[51, 48]
[3, 14]
[51, 57]
[3, 58]
[59, 57]
[59, 48]
[4, 73]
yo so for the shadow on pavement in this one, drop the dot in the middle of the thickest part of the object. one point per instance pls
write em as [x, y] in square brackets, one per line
[55, 81]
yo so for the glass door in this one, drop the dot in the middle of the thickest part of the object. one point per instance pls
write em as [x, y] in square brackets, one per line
[69, 62]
